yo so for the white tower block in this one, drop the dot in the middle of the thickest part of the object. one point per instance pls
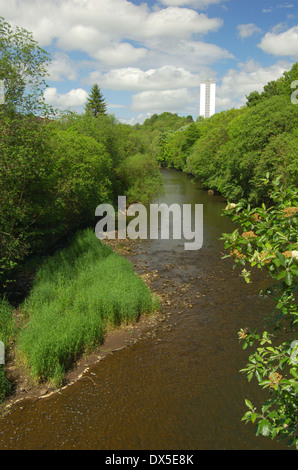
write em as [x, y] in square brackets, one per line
[207, 98]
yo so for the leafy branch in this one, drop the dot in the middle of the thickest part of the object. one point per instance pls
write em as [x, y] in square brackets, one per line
[269, 241]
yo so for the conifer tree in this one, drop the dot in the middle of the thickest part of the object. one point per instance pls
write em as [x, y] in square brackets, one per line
[95, 105]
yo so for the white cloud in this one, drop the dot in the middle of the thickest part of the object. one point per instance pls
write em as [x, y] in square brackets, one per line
[247, 30]
[281, 5]
[191, 3]
[282, 44]
[159, 101]
[62, 68]
[135, 79]
[75, 98]
[120, 54]
[196, 56]
[285, 5]
[250, 76]
[158, 52]
[200, 52]
[140, 118]
[84, 38]
[117, 32]
[112, 106]
[178, 22]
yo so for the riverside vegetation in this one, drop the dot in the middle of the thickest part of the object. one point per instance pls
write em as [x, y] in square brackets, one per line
[266, 238]
[54, 172]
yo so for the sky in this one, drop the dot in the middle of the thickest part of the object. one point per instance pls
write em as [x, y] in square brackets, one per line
[150, 56]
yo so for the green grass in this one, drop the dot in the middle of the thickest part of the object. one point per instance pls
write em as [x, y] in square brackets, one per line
[5, 385]
[77, 294]
[7, 322]
[7, 335]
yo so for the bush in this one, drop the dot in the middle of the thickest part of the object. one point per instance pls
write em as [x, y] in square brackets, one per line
[51, 182]
[81, 179]
[140, 178]
[25, 180]
[259, 142]
[269, 241]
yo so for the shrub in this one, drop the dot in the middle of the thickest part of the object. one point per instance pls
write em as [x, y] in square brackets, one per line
[141, 179]
[269, 241]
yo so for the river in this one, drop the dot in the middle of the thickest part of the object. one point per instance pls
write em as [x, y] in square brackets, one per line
[179, 388]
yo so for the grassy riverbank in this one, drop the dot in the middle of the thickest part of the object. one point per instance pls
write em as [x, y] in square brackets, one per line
[77, 296]
[7, 334]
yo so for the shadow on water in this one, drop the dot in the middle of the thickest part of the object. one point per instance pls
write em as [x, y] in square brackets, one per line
[179, 388]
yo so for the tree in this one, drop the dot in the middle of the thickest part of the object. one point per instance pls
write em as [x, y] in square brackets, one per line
[140, 178]
[24, 159]
[95, 103]
[281, 86]
[269, 242]
[253, 98]
[23, 68]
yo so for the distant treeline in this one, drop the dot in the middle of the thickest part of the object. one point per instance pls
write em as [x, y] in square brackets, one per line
[232, 151]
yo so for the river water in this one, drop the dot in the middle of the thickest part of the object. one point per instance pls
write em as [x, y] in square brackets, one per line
[179, 388]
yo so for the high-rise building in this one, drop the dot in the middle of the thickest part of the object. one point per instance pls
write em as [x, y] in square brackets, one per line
[207, 98]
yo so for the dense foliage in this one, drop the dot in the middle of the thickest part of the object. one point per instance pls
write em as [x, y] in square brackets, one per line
[267, 239]
[140, 178]
[155, 128]
[54, 171]
[53, 174]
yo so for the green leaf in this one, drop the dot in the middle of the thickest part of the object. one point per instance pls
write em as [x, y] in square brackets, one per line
[281, 259]
[281, 275]
[248, 404]
[258, 376]
[264, 427]
[289, 278]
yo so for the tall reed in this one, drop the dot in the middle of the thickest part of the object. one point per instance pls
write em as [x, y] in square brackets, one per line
[77, 294]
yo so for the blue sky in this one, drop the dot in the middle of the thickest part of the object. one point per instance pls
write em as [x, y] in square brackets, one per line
[150, 56]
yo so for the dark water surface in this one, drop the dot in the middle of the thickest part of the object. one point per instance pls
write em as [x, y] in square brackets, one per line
[179, 388]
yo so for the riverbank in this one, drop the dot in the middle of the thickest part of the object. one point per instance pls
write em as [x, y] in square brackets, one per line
[84, 296]
[26, 387]
[173, 298]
